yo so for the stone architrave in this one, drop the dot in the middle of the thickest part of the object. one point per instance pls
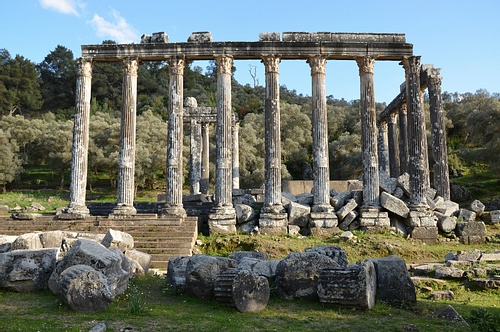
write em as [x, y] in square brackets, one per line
[126, 161]
[273, 219]
[393, 145]
[173, 198]
[222, 217]
[321, 209]
[77, 208]
[438, 134]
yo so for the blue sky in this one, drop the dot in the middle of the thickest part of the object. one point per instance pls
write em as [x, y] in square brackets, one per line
[461, 37]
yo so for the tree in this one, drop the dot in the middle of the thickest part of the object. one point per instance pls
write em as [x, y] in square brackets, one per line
[58, 75]
[346, 157]
[10, 163]
[19, 85]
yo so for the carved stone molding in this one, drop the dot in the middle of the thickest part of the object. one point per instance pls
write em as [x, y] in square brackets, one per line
[365, 64]
[224, 64]
[271, 62]
[130, 67]
[317, 63]
[84, 67]
[176, 65]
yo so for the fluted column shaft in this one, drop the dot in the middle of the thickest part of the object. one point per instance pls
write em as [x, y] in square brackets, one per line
[126, 161]
[224, 162]
[416, 132]
[438, 136]
[205, 158]
[80, 149]
[272, 162]
[236, 154]
[195, 156]
[175, 177]
[392, 135]
[321, 170]
[371, 180]
[403, 139]
[383, 151]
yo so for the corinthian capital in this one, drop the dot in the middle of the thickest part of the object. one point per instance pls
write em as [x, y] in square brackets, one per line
[130, 67]
[176, 64]
[317, 64]
[271, 62]
[365, 64]
[411, 64]
[224, 64]
[84, 67]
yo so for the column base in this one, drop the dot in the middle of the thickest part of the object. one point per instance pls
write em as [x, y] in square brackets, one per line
[222, 220]
[74, 212]
[373, 217]
[175, 211]
[323, 220]
[122, 211]
[273, 222]
[421, 217]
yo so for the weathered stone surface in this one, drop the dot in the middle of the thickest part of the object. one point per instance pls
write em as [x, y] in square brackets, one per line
[471, 232]
[388, 185]
[141, 261]
[425, 234]
[477, 206]
[245, 199]
[244, 213]
[250, 227]
[348, 207]
[200, 37]
[118, 239]
[286, 198]
[491, 217]
[470, 255]
[339, 200]
[296, 36]
[6, 242]
[448, 208]
[459, 193]
[444, 272]
[445, 223]
[442, 296]
[425, 269]
[466, 215]
[298, 214]
[242, 289]
[293, 229]
[394, 205]
[344, 225]
[484, 283]
[490, 257]
[52, 239]
[83, 288]
[239, 255]
[403, 182]
[27, 241]
[202, 272]
[101, 327]
[449, 313]
[269, 36]
[353, 287]
[112, 263]
[260, 267]
[305, 199]
[394, 284]
[297, 274]
[176, 272]
[334, 252]
[4, 208]
[27, 270]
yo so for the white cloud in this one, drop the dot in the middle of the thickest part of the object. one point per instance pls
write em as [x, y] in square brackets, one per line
[119, 30]
[63, 6]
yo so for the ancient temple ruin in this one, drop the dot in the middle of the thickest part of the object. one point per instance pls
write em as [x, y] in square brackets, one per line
[384, 155]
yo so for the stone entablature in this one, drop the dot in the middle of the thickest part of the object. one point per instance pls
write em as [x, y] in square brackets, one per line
[295, 45]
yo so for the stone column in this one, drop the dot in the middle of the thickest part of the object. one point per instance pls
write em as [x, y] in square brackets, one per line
[403, 138]
[173, 204]
[222, 219]
[438, 135]
[383, 152]
[126, 161]
[195, 156]
[369, 211]
[420, 214]
[236, 154]
[205, 158]
[393, 141]
[77, 208]
[322, 215]
[273, 217]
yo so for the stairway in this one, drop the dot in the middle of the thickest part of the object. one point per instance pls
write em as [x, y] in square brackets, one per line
[162, 238]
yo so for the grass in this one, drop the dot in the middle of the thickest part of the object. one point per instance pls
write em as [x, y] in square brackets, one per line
[165, 310]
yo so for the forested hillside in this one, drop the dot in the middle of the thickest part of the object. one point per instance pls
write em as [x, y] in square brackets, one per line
[37, 105]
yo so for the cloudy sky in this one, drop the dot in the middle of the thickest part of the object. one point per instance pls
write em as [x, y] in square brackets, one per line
[459, 36]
